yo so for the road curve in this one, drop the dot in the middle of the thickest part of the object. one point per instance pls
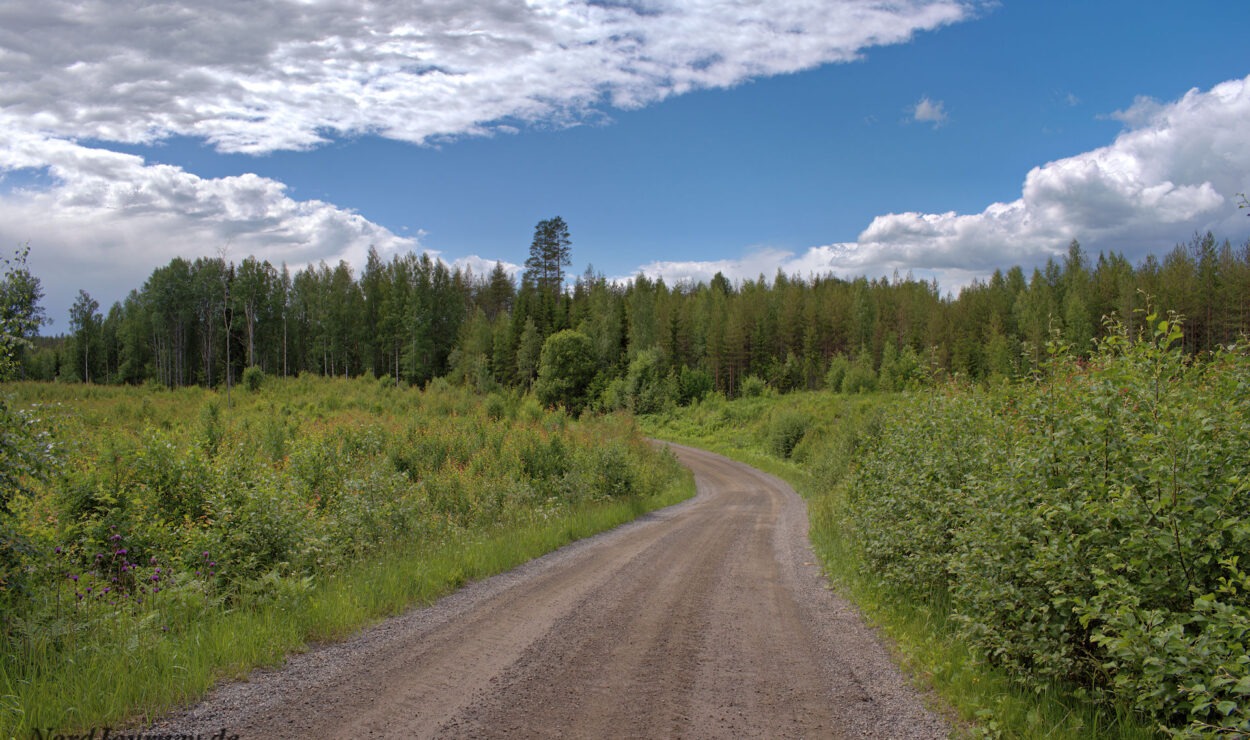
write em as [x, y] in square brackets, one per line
[709, 619]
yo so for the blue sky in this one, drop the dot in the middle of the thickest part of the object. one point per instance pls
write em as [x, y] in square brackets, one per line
[941, 138]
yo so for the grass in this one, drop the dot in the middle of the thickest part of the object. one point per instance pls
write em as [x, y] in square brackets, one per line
[981, 700]
[129, 683]
[329, 503]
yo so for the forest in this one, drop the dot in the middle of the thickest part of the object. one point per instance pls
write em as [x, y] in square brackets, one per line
[414, 318]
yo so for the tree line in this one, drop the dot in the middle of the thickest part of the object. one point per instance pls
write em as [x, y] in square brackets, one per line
[412, 319]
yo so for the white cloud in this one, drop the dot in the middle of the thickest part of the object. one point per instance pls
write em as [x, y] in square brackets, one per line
[258, 77]
[1174, 171]
[251, 76]
[930, 111]
[111, 218]
[762, 261]
[482, 267]
[842, 260]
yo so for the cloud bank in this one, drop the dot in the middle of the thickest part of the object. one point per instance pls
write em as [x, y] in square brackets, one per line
[287, 75]
[1174, 170]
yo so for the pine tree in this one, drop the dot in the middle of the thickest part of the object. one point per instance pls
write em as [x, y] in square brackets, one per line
[550, 253]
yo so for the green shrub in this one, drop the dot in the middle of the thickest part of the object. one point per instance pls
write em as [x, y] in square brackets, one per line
[838, 368]
[253, 378]
[648, 387]
[565, 370]
[692, 385]
[211, 427]
[497, 407]
[860, 377]
[785, 433]
[752, 386]
[1087, 529]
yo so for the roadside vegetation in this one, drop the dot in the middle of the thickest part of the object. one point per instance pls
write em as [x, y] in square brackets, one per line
[160, 541]
[1061, 556]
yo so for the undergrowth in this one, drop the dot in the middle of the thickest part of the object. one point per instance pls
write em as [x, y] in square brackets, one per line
[910, 521]
[176, 540]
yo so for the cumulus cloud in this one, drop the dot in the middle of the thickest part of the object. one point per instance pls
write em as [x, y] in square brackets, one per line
[930, 111]
[1174, 170]
[285, 75]
[111, 218]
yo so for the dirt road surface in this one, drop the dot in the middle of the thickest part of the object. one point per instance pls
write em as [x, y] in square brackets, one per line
[709, 619]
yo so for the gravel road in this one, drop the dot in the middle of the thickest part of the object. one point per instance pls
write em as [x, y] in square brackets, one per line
[709, 619]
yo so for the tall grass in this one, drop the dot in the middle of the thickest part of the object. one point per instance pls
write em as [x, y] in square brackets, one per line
[309, 508]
